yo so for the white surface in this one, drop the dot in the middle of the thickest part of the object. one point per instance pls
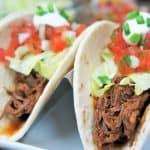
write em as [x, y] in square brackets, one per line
[5, 144]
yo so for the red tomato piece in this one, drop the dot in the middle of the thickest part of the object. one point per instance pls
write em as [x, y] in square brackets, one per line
[12, 46]
[51, 32]
[58, 44]
[147, 41]
[2, 55]
[34, 44]
[33, 41]
[60, 30]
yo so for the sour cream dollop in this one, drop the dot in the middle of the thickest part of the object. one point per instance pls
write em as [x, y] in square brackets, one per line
[52, 19]
[136, 28]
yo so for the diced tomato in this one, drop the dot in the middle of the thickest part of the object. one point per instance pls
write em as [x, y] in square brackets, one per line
[54, 34]
[23, 26]
[113, 10]
[80, 29]
[147, 41]
[51, 32]
[58, 44]
[33, 41]
[60, 30]
[2, 55]
[34, 44]
[145, 61]
[14, 43]
[119, 48]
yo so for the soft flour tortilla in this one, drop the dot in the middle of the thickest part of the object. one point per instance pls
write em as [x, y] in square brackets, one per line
[7, 79]
[87, 56]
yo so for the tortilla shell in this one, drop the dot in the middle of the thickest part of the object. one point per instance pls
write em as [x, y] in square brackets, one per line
[87, 56]
[7, 77]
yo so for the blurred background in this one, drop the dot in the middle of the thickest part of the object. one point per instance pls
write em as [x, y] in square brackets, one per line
[80, 10]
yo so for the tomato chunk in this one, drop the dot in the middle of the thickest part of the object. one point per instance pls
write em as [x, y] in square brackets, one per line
[58, 44]
[2, 55]
[147, 41]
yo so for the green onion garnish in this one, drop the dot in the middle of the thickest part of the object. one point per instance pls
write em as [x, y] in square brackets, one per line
[140, 20]
[103, 79]
[64, 14]
[148, 22]
[126, 28]
[133, 14]
[135, 38]
[127, 59]
[51, 8]
[40, 11]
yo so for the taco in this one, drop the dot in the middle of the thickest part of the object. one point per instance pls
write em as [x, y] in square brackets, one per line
[36, 51]
[112, 84]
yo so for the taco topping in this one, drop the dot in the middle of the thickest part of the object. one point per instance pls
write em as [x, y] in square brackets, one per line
[130, 44]
[35, 51]
[120, 86]
[135, 27]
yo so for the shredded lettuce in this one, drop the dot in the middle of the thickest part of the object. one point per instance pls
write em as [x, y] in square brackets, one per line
[101, 77]
[45, 63]
[21, 52]
[24, 65]
[107, 69]
[141, 82]
[48, 65]
[97, 91]
[70, 37]
[106, 55]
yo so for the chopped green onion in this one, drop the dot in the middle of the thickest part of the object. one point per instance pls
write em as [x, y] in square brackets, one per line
[127, 59]
[126, 28]
[103, 79]
[40, 11]
[140, 20]
[148, 22]
[50, 8]
[64, 14]
[135, 38]
[133, 14]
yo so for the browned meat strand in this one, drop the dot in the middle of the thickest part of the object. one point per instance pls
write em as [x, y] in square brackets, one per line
[28, 90]
[116, 115]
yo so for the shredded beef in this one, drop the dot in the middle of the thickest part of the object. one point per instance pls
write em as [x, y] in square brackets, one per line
[24, 97]
[116, 115]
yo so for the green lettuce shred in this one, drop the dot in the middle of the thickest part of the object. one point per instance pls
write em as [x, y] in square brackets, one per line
[44, 63]
[101, 76]
[140, 81]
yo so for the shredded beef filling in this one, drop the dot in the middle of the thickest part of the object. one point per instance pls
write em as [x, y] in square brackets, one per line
[116, 115]
[24, 97]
